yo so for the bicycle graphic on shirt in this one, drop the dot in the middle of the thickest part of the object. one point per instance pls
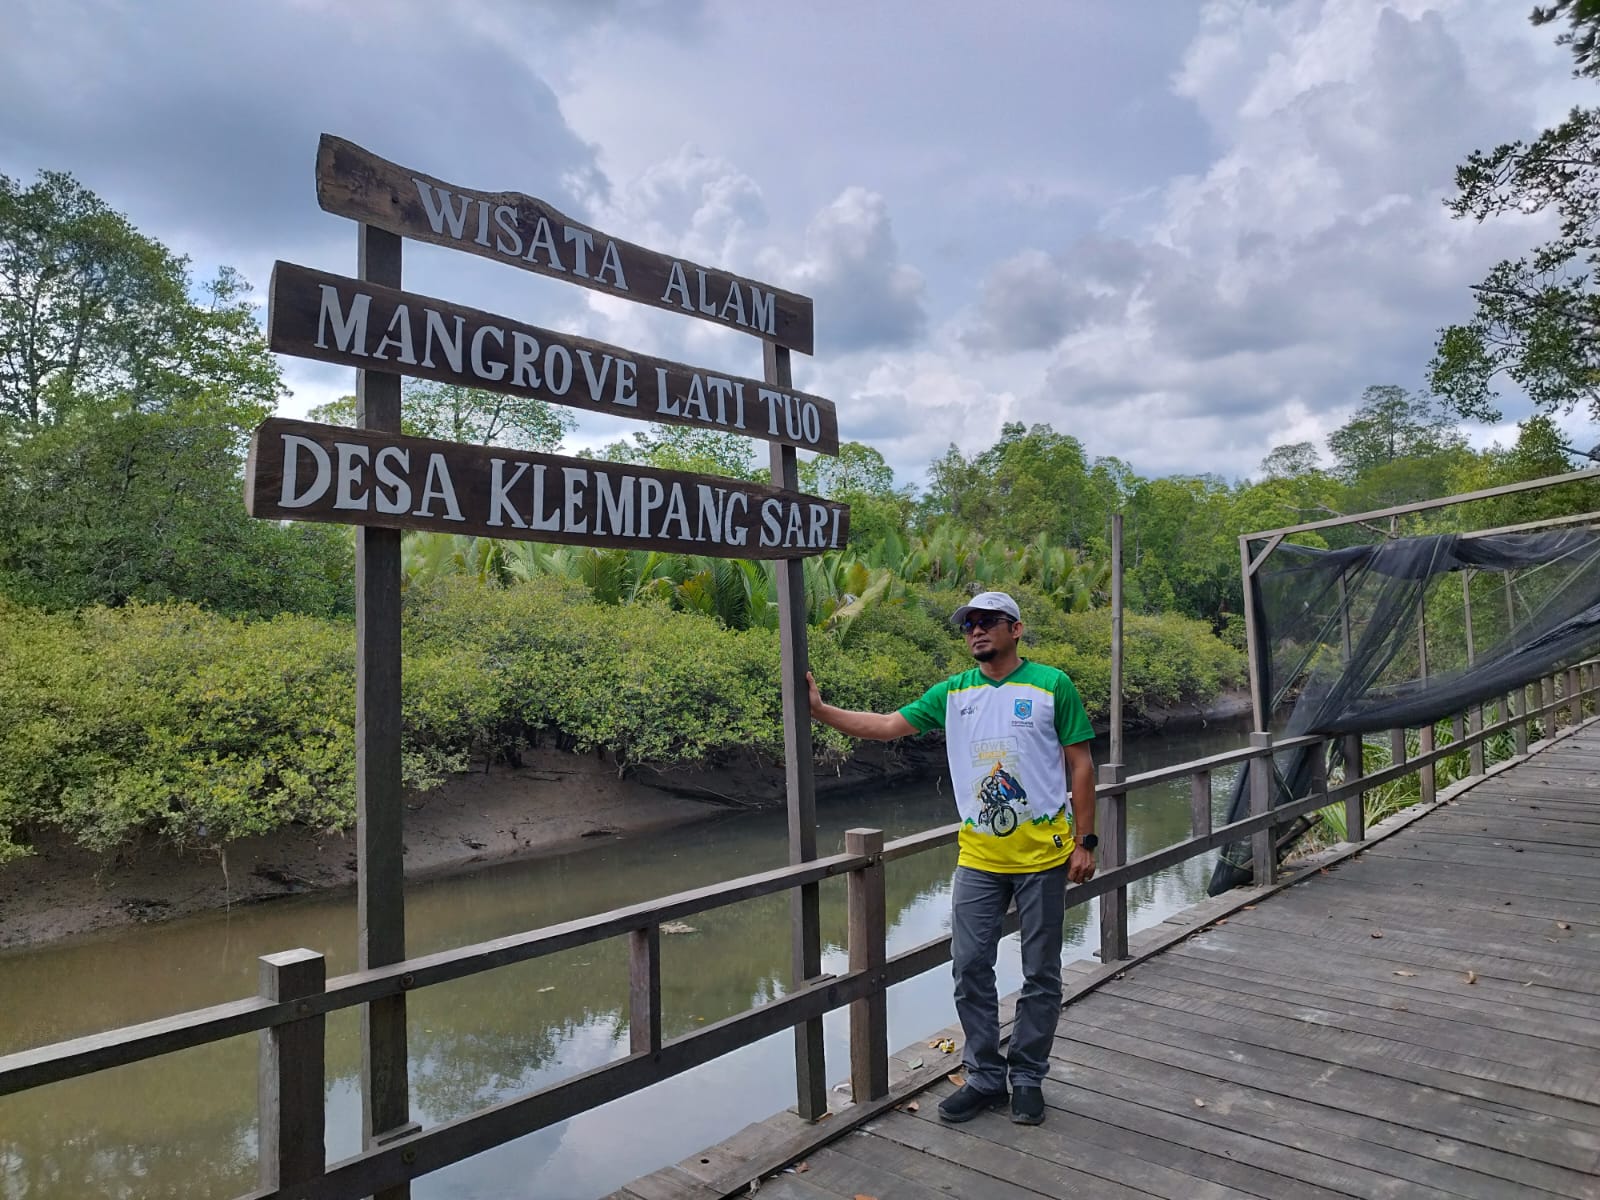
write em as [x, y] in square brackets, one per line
[998, 791]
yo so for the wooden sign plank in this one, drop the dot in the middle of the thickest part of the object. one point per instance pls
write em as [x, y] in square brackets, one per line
[336, 319]
[300, 471]
[526, 232]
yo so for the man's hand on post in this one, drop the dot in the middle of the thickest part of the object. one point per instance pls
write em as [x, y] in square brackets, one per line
[815, 692]
[1080, 867]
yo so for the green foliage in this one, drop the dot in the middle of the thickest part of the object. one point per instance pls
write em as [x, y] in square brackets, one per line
[688, 448]
[1583, 29]
[452, 413]
[125, 406]
[173, 721]
[1537, 316]
[1167, 660]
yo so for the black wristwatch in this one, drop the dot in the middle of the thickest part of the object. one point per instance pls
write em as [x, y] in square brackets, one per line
[1089, 841]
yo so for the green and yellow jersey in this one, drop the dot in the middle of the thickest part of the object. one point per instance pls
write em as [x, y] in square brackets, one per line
[1004, 743]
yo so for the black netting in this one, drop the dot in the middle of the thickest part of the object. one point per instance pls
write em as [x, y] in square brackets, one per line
[1377, 637]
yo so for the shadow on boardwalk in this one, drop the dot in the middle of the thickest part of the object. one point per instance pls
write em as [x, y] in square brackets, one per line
[1422, 1019]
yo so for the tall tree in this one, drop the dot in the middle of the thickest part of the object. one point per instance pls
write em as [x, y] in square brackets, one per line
[1537, 318]
[126, 397]
[1390, 425]
[686, 448]
[453, 413]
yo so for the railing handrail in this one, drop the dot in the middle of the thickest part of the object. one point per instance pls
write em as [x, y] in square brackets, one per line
[654, 1059]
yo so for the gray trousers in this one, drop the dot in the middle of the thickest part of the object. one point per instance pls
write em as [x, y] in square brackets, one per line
[980, 900]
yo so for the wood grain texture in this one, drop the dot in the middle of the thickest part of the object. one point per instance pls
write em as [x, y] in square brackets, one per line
[363, 324]
[1409, 1022]
[299, 471]
[525, 232]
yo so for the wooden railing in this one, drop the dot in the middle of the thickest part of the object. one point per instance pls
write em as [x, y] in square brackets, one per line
[289, 1012]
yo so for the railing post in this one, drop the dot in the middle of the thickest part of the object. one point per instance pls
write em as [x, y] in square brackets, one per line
[1355, 805]
[867, 921]
[1426, 775]
[1475, 712]
[1111, 823]
[1547, 715]
[644, 990]
[1574, 698]
[290, 1119]
[1200, 804]
[1263, 850]
[1518, 700]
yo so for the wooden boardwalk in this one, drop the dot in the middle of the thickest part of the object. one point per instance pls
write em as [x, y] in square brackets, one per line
[1420, 1020]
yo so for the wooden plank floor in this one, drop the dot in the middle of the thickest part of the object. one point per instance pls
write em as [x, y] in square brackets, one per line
[1422, 1020]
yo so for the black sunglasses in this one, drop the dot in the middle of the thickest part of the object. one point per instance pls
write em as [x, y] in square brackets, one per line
[986, 620]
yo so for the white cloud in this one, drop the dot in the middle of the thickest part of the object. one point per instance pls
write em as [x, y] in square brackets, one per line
[1182, 232]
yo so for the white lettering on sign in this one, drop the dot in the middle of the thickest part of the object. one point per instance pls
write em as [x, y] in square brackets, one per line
[437, 485]
[288, 496]
[350, 473]
[349, 330]
[362, 325]
[763, 305]
[398, 498]
[501, 226]
[591, 500]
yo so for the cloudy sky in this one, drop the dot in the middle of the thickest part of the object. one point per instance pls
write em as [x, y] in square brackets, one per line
[1184, 232]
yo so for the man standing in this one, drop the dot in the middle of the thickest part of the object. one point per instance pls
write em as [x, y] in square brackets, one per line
[1015, 732]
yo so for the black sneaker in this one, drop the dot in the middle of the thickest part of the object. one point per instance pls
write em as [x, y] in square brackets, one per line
[968, 1102]
[1027, 1106]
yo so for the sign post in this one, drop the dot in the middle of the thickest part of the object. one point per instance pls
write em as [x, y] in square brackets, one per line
[805, 958]
[380, 888]
[383, 482]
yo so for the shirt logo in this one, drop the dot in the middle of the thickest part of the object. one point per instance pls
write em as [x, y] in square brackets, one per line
[1023, 709]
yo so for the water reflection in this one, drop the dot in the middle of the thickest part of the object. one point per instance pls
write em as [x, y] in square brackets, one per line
[185, 1125]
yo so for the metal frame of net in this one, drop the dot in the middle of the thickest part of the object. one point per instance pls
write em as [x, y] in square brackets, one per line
[1404, 633]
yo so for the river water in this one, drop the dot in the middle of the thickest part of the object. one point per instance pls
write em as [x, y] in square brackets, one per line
[184, 1125]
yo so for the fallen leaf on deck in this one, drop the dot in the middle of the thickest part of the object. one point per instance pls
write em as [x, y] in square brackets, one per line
[913, 1106]
[1248, 907]
[1199, 1103]
[1562, 925]
[802, 1167]
[958, 1080]
[864, 1196]
[1377, 933]
[1472, 977]
[1407, 974]
[913, 1064]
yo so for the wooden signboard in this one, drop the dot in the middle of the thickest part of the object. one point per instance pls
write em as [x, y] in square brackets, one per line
[314, 314]
[302, 471]
[525, 232]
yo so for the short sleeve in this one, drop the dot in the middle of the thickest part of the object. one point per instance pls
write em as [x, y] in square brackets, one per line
[927, 712]
[1072, 719]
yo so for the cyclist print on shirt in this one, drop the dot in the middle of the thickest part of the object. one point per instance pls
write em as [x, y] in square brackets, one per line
[998, 791]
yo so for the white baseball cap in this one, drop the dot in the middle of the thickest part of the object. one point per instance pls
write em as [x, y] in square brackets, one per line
[988, 602]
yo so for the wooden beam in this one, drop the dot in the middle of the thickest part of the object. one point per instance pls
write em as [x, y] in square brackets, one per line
[380, 869]
[1111, 823]
[300, 471]
[867, 923]
[351, 322]
[811, 1084]
[291, 1123]
[644, 990]
[524, 232]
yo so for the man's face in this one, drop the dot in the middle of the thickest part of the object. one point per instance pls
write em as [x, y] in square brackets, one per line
[990, 634]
